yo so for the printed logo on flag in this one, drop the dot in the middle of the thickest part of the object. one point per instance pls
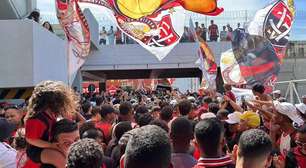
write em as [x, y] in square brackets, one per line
[278, 23]
[148, 31]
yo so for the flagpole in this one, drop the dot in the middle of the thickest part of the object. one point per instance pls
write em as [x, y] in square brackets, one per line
[68, 61]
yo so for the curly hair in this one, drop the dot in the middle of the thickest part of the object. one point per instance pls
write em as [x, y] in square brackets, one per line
[53, 95]
[85, 153]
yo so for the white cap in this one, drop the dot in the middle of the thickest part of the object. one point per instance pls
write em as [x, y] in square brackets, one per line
[233, 118]
[207, 115]
[301, 107]
[289, 110]
[191, 98]
[173, 102]
[276, 92]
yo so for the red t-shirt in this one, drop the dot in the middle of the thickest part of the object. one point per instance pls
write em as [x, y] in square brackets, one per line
[106, 128]
[300, 158]
[196, 153]
[30, 164]
[231, 95]
[213, 30]
[202, 110]
[224, 162]
[35, 128]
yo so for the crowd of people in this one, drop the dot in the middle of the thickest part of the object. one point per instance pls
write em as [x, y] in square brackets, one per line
[58, 127]
[112, 37]
[211, 34]
[116, 36]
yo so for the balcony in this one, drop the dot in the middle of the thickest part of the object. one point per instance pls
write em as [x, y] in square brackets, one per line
[29, 54]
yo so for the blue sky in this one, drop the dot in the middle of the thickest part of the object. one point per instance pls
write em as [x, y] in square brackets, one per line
[242, 7]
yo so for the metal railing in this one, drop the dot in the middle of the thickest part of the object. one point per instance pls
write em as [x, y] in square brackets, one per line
[291, 92]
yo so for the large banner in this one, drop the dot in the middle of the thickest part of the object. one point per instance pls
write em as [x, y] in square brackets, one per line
[77, 32]
[157, 25]
[259, 51]
[157, 33]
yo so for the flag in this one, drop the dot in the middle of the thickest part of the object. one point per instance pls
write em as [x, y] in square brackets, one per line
[208, 66]
[157, 25]
[230, 69]
[207, 62]
[245, 94]
[77, 32]
[259, 51]
[159, 32]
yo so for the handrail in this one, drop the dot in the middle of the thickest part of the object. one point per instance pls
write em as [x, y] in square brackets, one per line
[291, 81]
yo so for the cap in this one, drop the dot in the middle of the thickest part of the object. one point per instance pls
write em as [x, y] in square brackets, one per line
[252, 119]
[207, 115]
[301, 107]
[191, 98]
[304, 97]
[276, 92]
[6, 129]
[233, 118]
[173, 102]
[289, 110]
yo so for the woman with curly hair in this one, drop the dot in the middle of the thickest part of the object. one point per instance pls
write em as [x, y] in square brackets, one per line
[50, 101]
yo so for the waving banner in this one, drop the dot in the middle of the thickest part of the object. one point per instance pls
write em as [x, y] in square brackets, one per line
[158, 33]
[157, 25]
[77, 32]
[206, 60]
[259, 51]
[208, 66]
[230, 69]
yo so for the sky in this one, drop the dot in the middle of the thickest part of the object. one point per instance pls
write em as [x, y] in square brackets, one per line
[234, 11]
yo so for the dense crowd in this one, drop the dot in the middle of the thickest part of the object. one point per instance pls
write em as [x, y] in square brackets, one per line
[58, 127]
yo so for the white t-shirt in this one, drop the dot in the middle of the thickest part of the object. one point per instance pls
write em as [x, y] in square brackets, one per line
[285, 144]
[7, 156]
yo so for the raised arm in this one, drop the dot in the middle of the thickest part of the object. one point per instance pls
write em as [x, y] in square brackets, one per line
[233, 104]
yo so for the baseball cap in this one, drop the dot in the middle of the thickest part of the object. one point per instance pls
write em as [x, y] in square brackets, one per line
[6, 129]
[173, 102]
[233, 118]
[191, 98]
[208, 115]
[289, 110]
[276, 92]
[301, 107]
[252, 119]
